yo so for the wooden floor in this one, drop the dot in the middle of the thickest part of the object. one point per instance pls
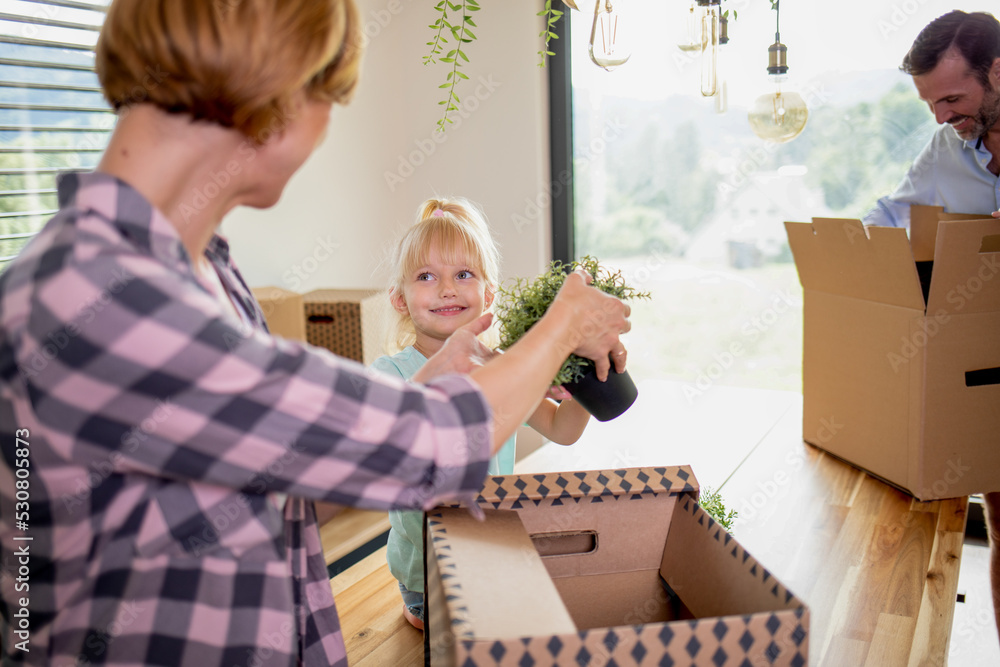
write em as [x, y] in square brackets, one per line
[370, 609]
[878, 569]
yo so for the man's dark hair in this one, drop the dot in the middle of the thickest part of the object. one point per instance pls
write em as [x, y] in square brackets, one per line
[976, 35]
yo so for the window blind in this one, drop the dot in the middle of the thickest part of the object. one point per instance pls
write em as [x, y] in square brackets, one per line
[52, 115]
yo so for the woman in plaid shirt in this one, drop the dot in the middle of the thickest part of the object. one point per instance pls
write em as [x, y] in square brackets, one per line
[161, 451]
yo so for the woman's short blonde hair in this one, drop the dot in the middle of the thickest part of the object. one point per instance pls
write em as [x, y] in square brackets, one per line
[238, 63]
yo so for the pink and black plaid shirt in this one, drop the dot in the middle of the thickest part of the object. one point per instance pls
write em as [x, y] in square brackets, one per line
[159, 438]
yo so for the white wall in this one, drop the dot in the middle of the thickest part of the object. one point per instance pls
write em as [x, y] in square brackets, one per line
[339, 215]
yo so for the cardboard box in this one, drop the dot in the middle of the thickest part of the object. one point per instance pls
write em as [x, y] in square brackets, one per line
[901, 354]
[597, 568]
[349, 323]
[283, 311]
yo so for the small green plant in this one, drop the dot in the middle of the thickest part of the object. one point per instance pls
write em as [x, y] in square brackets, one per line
[711, 502]
[523, 303]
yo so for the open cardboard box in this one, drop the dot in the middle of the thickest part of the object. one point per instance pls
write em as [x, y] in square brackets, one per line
[901, 348]
[601, 567]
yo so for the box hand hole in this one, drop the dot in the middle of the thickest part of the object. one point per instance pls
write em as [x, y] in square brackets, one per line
[982, 377]
[565, 544]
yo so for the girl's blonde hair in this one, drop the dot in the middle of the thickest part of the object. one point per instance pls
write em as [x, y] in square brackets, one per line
[238, 63]
[458, 229]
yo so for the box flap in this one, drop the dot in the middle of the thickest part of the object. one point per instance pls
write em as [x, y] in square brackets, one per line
[512, 491]
[966, 264]
[837, 256]
[923, 228]
[700, 553]
[478, 562]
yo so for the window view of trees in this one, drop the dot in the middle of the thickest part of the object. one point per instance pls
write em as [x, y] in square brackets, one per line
[691, 205]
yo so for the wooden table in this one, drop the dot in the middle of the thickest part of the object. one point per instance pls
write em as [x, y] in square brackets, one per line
[878, 569]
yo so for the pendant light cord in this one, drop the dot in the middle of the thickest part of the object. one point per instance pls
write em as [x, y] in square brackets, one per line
[777, 20]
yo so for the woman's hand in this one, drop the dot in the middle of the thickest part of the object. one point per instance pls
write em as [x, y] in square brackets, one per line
[461, 353]
[596, 320]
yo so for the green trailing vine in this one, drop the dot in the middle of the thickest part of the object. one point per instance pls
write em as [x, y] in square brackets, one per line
[551, 16]
[711, 501]
[462, 34]
[522, 304]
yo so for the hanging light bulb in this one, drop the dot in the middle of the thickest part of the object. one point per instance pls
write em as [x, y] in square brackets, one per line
[781, 115]
[722, 92]
[691, 27]
[710, 40]
[610, 44]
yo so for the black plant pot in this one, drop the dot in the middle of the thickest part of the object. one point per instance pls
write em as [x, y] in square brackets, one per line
[604, 400]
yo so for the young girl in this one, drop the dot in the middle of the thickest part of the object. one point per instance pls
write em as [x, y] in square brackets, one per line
[447, 270]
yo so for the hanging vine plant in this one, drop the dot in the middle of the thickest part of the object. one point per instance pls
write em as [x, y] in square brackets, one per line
[453, 28]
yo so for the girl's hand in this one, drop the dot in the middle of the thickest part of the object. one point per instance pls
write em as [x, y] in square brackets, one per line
[996, 214]
[461, 353]
[596, 321]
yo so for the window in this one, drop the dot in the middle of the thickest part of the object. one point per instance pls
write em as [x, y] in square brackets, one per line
[691, 205]
[52, 115]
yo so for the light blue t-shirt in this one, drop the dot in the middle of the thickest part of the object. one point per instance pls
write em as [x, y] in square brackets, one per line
[949, 172]
[405, 550]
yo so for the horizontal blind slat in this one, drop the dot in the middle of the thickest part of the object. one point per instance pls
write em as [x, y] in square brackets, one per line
[46, 43]
[14, 62]
[72, 4]
[32, 129]
[50, 23]
[28, 214]
[56, 87]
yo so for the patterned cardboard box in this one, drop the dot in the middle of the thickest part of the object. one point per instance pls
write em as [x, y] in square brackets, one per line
[349, 323]
[608, 567]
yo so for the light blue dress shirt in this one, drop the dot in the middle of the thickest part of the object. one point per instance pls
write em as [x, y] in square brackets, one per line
[949, 172]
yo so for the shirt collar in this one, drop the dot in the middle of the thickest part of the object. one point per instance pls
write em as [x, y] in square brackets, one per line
[132, 215]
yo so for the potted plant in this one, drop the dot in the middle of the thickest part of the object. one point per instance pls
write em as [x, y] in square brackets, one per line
[522, 304]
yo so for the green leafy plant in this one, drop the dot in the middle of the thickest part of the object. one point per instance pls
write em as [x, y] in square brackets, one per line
[711, 502]
[524, 302]
[551, 16]
[461, 32]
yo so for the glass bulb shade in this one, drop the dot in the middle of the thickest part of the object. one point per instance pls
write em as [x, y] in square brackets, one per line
[610, 36]
[691, 38]
[722, 96]
[710, 55]
[779, 116]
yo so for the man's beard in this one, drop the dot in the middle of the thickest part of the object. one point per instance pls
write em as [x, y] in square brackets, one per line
[986, 117]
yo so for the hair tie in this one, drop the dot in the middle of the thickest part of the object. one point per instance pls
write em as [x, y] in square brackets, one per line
[438, 213]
